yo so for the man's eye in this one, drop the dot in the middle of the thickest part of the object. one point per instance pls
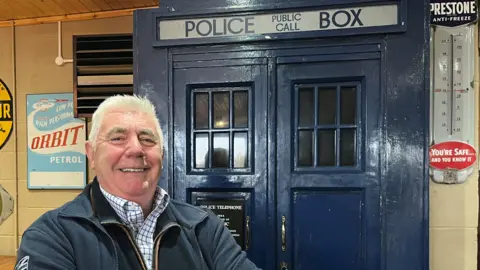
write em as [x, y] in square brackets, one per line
[147, 140]
[116, 138]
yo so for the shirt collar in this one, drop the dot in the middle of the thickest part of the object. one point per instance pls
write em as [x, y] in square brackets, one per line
[123, 206]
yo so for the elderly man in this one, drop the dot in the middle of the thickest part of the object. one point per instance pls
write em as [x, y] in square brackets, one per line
[123, 219]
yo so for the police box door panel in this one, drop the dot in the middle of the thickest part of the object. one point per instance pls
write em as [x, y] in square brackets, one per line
[327, 170]
[219, 115]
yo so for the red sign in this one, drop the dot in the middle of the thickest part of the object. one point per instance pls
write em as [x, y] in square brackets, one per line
[452, 155]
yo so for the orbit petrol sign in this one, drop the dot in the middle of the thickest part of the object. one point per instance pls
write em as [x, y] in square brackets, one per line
[6, 114]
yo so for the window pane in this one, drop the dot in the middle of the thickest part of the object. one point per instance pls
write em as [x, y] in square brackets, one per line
[305, 148]
[348, 96]
[221, 150]
[201, 150]
[240, 147]
[347, 147]
[240, 113]
[306, 107]
[201, 111]
[326, 147]
[327, 106]
[221, 109]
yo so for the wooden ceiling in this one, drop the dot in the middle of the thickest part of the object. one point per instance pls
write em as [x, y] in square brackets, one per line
[30, 9]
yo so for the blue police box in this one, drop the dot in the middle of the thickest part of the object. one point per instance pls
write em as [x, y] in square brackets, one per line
[302, 124]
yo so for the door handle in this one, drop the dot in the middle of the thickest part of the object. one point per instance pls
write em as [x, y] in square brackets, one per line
[284, 237]
[247, 241]
[283, 266]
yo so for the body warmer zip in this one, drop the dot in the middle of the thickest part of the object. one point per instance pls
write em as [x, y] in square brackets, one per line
[156, 242]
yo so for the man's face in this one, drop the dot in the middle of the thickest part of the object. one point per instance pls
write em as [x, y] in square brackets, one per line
[127, 158]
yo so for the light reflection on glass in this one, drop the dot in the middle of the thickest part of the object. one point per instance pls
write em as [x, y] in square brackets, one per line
[221, 145]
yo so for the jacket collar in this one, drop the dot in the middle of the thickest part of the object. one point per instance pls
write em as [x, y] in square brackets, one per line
[92, 205]
[101, 208]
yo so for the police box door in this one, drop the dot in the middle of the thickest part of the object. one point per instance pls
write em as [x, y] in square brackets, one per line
[220, 144]
[325, 179]
[328, 181]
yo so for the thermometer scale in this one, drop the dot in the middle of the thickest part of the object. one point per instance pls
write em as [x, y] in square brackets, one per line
[453, 97]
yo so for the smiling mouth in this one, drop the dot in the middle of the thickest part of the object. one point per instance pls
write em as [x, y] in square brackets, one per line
[134, 170]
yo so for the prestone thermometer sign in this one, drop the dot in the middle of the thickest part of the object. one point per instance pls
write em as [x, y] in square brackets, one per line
[452, 91]
[453, 95]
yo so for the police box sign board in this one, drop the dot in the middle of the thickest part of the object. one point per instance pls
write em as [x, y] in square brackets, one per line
[275, 23]
[452, 13]
[231, 212]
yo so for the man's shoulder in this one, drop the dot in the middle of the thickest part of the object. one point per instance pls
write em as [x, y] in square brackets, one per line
[49, 220]
[186, 208]
[46, 222]
[189, 214]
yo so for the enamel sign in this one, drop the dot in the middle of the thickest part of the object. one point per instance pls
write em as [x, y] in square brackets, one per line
[6, 114]
[450, 13]
[56, 143]
[451, 161]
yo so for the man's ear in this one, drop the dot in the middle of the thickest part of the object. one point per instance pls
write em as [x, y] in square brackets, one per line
[89, 151]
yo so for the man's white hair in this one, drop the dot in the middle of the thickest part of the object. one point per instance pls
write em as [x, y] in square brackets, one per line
[125, 103]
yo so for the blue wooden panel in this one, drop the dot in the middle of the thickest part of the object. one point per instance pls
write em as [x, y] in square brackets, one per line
[406, 99]
[332, 235]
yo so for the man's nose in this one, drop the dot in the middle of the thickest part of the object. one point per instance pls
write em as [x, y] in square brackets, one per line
[134, 148]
